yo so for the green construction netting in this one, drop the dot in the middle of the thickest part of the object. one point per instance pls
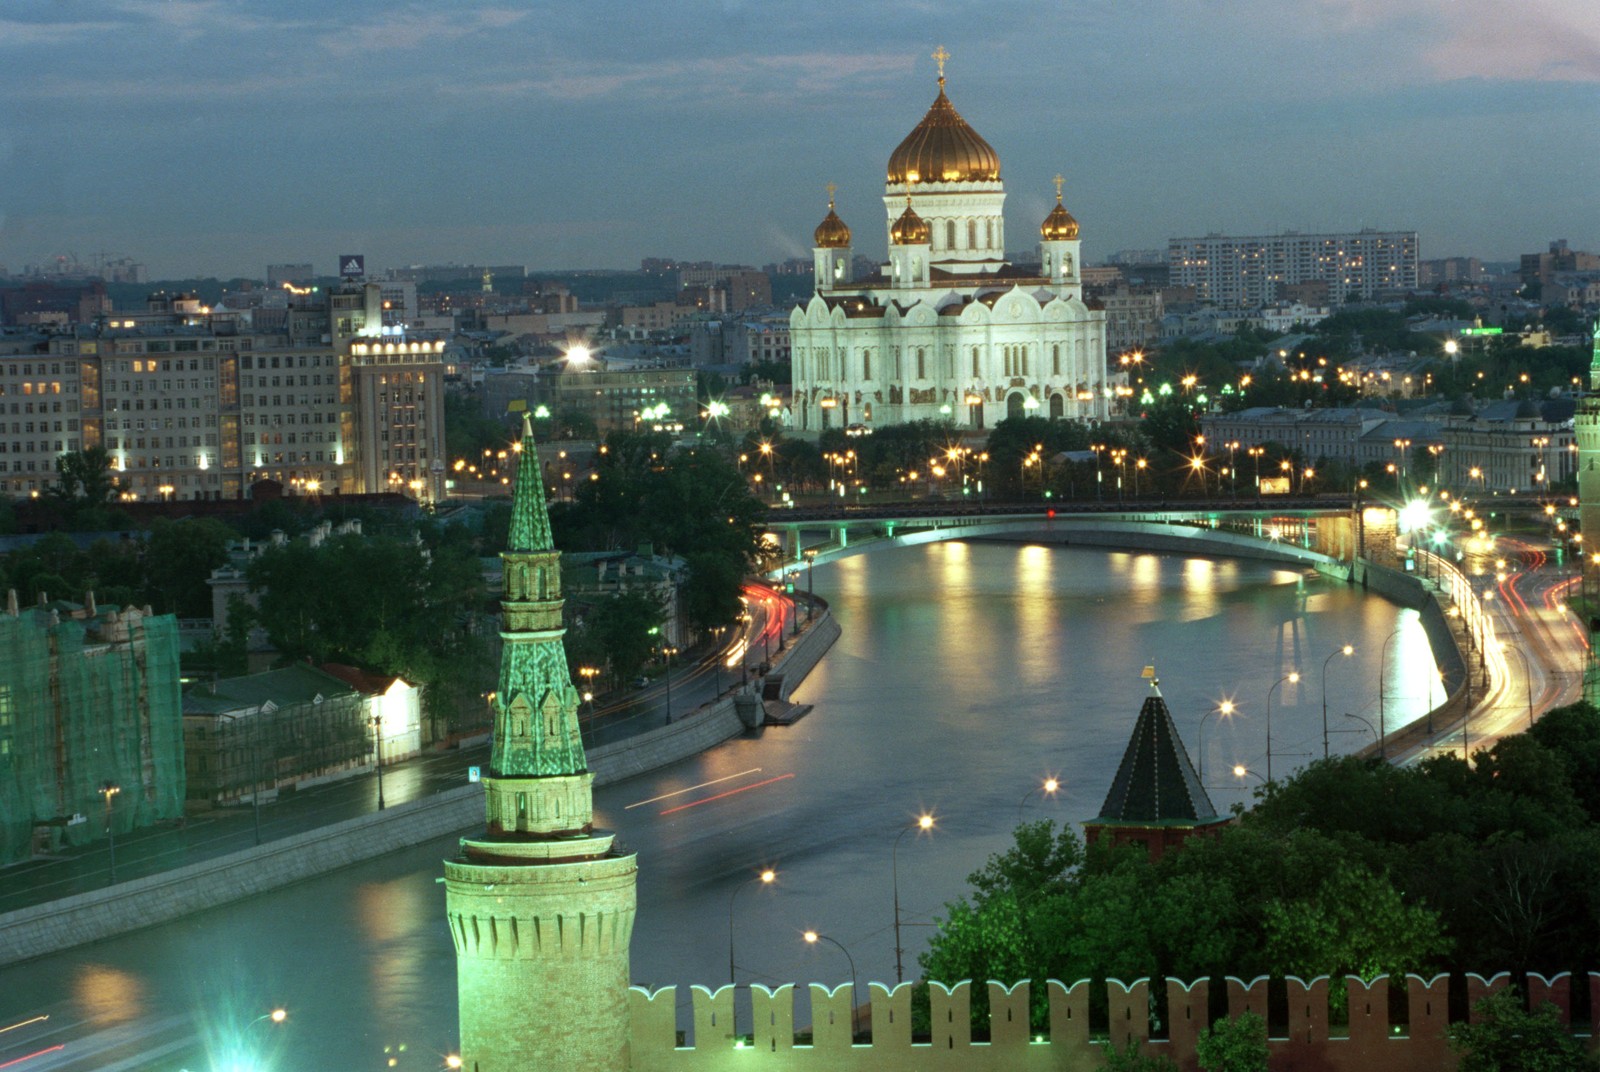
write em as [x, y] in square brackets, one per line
[81, 708]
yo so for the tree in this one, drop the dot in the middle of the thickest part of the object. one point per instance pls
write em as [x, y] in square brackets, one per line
[179, 557]
[85, 474]
[625, 626]
[1508, 1038]
[1129, 1059]
[1237, 1044]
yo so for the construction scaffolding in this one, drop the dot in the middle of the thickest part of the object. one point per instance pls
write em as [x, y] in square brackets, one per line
[91, 728]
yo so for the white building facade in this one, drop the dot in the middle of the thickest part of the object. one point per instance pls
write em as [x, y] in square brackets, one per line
[947, 330]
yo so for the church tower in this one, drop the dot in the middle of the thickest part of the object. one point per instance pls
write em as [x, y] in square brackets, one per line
[1586, 428]
[831, 252]
[1058, 247]
[540, 906]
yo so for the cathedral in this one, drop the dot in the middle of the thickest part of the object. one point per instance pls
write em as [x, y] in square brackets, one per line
[947, 330]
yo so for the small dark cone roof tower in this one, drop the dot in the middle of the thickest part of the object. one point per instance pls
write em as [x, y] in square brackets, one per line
[1156, 798]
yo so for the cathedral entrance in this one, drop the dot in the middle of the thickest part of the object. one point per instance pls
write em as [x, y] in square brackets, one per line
[1014, 407]
[974, 414]
[1058, 408]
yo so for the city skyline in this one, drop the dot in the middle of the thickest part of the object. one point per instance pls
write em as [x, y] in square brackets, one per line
[207, 140]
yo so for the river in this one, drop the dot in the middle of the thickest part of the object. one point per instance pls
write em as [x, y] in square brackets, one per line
[965, 674]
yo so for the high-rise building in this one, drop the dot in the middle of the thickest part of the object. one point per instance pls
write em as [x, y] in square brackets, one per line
[195, 403]
[1249, 271]
[1586, 428]
[541, 905]
[948, 329]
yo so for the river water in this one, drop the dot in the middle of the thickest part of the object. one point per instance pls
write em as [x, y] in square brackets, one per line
[965, 674]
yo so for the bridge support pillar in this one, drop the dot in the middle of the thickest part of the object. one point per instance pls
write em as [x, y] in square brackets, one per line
[844, 536]
[791, 544]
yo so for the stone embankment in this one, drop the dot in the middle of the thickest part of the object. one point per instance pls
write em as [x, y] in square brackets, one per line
[51, 927]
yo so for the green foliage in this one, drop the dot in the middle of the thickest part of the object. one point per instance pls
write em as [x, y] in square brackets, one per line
[468, 433]
[1237, 1044]
[86, 475]
[381, 602]
[180, 556]
[619, 630]
[1508, 1038]
[1129, 1059]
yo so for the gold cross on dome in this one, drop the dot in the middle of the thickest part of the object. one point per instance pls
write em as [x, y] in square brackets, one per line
[941, 54]
[831, 188]
[1060, 182]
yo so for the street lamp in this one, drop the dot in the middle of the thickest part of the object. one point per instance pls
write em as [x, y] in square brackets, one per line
[109, 790]
[1383, 731]
[1346, 650]
[1293, 678]
[813, 938]
[1047, 787]
[1225, 709]
[377, 739]
[1240, 770]
[766, 877]
[924, 823]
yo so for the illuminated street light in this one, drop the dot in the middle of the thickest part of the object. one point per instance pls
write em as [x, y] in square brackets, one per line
[812, 937]
[923, 824]
[1225, 709]
[109, 790]
[1048, 787]
[1293, 678]
[1347, 651]
[766, 877]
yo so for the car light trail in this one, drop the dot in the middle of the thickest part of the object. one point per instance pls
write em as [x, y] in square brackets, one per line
[692, 788]
[728, 793]
[37, 1053]
[41, 1018]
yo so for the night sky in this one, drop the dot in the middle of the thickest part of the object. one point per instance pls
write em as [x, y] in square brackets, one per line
[212, 138]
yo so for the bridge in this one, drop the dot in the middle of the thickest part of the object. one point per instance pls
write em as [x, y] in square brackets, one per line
[1304, 533]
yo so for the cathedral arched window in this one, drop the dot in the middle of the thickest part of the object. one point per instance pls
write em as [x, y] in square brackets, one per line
[1055, 360]
[988, 233]
[922, 370]
[1024, 360]
[975, 361]
[972, 234]
[950, 234]
[866, 364]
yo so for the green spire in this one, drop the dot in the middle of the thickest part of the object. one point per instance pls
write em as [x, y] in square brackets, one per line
[530, 518]
[536, 707]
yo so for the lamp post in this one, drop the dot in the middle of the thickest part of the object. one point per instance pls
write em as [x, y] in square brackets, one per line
[1225, 709]
[667, 651]
[766, 877]
[109, 790]
[377, 740]
[1383, 730]
[1047, 787]
[1293, 677]
[1367, 722]
[924, 823]
[1346, 650]
[1240, 770]
[813, 938]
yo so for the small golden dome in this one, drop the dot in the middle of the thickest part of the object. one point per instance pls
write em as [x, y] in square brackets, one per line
[1058, 225]
[832, 233]
[910, 229]
[943, 148]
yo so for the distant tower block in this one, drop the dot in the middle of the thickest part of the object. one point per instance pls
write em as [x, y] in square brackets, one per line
[541, 906]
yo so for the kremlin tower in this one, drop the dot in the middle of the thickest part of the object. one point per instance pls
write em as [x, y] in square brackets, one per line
[541, 905]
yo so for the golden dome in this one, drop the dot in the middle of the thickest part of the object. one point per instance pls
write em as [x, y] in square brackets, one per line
[910, 229]
[943, 148]
[1059, 224]
[832, 233]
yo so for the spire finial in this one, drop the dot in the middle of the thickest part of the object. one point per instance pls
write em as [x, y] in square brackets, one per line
[941, 54]
[831, 188]
[1060, 182]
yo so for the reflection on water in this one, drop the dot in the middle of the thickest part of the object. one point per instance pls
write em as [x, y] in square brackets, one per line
[108, 995]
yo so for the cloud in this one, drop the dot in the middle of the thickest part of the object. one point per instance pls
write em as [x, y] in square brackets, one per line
[406, 30]
[1538, 40]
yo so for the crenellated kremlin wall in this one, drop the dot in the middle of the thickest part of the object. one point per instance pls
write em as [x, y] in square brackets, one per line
[1390, 1028]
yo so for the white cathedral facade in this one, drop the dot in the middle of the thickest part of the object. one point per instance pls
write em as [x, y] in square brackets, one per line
[947, 330]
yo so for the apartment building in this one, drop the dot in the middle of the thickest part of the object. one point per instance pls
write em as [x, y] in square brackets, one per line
[1250, 271]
